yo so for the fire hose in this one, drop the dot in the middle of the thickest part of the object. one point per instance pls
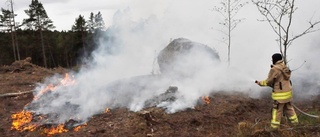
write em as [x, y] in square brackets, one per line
[314, 116]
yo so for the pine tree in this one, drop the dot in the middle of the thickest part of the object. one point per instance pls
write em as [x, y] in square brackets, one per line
[80, 28]
[38, 20]
[7, 23]
[90, 23]
[80, 24]
[99, 23]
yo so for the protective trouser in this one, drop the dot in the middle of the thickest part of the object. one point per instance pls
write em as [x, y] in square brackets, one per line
[278, 110]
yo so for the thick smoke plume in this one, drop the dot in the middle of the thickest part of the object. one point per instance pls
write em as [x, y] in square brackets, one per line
[124, 70]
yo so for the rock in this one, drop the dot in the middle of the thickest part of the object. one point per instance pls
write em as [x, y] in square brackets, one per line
[168, 96]
[184, 57]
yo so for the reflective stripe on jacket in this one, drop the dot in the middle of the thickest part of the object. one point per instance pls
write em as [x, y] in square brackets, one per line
[281, 95]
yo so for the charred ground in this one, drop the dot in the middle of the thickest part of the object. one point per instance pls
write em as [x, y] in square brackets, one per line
[233, 114]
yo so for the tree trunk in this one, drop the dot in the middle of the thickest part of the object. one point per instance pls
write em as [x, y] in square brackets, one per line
[52, 58]
[17, 44]
[229, 32]
[15, 38]
[43, 49]
[13, 44]
[83, 41]
[285, 54]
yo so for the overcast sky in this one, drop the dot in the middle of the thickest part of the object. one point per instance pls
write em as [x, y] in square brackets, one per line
[64, 12]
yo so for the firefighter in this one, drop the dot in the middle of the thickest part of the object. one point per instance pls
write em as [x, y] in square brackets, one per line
[279, 80]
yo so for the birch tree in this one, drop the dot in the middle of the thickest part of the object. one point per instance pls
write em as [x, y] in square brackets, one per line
[279, 15]
[228, 9]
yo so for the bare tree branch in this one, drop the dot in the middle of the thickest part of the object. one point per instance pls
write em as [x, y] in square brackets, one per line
[229, 9]
[308, 30]
[15, 94]
[279, 15]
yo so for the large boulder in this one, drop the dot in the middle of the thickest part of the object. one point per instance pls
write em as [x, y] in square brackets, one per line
[183, 57]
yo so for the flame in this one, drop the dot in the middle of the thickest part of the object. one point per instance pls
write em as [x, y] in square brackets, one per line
[77, 128]
[206, 99]
[66, 81]
[50, 87]
[107, 110]
[23, 120]
[55, 130]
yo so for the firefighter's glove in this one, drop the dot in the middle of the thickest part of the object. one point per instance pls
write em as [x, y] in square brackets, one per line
[258, 82]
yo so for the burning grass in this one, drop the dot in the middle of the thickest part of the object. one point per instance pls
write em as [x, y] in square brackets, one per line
[29, 121]
[21, 121]
[45, 123]
[206, 99]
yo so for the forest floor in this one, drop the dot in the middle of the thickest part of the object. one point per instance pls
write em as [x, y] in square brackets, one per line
[233, 114]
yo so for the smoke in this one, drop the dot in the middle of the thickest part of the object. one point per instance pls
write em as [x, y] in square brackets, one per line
[119, 73]
[306, 76]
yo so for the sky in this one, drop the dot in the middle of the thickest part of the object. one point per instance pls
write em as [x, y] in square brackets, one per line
[64, 12]
[142, 28]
